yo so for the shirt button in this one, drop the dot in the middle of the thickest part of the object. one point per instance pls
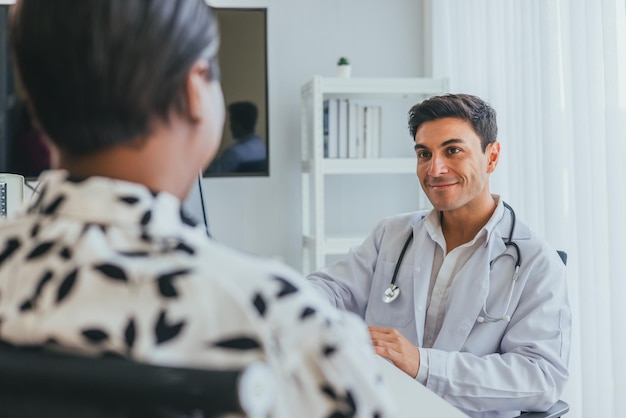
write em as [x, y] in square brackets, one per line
[464, 327]
[420, 308]
[484, 285]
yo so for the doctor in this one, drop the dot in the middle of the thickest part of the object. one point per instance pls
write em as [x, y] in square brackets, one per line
[465, 298]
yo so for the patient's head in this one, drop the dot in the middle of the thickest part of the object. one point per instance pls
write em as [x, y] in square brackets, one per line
[100, 74]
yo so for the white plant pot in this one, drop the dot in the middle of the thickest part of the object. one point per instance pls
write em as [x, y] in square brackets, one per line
[344, 71]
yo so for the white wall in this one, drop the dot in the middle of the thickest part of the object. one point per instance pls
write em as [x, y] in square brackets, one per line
[382, 38]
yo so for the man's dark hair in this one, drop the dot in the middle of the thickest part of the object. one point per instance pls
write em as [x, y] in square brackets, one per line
[98, 73]
[470, 108]
[245, 114]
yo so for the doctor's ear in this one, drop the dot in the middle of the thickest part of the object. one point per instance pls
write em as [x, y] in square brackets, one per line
[493, 154]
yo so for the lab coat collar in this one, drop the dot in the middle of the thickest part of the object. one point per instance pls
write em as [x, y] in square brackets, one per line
[502, 225]
[432, 222]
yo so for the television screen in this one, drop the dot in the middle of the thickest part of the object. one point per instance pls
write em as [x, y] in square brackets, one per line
[22, 150]
[243, 62]
[244, 150]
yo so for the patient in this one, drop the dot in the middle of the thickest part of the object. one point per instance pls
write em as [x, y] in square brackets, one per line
[105, 261]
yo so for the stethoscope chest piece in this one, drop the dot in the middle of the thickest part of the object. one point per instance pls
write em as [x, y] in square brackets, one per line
[391, 293]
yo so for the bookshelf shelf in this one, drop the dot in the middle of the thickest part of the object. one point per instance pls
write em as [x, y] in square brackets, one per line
[318, 242]
[364, 166]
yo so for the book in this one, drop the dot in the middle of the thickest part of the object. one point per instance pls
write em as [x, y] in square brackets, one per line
[325, 124]
[333, 130]
[353, 132]
[342, 126]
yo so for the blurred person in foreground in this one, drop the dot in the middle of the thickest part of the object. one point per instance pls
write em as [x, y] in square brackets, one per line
[105, 261]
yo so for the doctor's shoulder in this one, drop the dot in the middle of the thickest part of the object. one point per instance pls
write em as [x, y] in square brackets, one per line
[542, 257]
[401, 221]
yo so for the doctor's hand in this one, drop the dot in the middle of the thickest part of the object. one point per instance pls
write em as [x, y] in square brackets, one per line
[392, 345]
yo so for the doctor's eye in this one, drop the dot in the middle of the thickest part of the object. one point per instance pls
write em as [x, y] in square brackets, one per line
[453, 150]
[422, 154]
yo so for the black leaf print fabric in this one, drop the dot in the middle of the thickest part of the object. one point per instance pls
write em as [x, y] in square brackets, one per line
[130, 333]
[42, 282]
[286, 287]
[12, 245]
[308, 311]
[185, 248]
[66, 253]
[350, 401]
[34, 231]
[186, 219]
[349, 407]
[66, 286]
[40, 250]
[26, 306]
[164, 331]
[54, 206]
[134, 253]
[166, 283]
[330, 392]
[145, 219]
[32, 302]
[259, 304]
[94, 335]
[131, 200]
[329, 350]
[239, 343]
[338, 414]
[112, 271]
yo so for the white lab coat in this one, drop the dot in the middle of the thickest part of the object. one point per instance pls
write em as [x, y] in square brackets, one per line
[485, 369]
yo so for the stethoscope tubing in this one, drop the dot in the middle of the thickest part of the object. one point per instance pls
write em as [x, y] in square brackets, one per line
[393, 291]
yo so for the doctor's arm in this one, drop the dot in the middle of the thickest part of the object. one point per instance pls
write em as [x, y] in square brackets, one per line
[346, 283]
[529, 371]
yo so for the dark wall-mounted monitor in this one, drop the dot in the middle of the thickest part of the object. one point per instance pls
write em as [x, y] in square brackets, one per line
[244, 150]
[22, 150]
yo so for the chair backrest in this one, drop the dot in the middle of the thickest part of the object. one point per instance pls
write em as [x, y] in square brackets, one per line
[43, 384]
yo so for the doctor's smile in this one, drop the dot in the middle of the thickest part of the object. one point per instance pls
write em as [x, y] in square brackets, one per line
[441, 185]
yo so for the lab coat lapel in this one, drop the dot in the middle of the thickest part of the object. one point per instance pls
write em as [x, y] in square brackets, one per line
[423, 265]
[467, 295]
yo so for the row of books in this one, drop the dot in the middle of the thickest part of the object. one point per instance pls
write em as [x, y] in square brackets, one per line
[352, 129]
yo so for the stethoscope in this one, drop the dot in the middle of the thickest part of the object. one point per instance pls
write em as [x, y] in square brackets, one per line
[393, 291]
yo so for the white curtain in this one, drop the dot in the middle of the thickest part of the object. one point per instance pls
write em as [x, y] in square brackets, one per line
[555, 71]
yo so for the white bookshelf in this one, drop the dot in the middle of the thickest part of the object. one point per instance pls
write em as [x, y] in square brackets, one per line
[317, 240]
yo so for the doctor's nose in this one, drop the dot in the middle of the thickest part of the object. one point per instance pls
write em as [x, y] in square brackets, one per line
[437, 166]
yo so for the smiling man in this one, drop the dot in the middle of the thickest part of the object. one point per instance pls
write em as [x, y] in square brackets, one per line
[464, 298]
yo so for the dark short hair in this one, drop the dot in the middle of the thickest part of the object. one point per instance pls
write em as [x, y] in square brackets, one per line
[98, 73]
[470, 108]
[245, 113]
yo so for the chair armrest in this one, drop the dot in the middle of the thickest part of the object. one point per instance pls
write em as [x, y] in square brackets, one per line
[560, 408]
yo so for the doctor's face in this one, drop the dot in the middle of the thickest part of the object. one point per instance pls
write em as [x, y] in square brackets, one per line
[451, 165]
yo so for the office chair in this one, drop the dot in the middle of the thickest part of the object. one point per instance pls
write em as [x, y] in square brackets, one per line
[35, 383]
[560, 408]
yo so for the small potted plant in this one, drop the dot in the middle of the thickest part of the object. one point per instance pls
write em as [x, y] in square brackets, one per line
[344, 69]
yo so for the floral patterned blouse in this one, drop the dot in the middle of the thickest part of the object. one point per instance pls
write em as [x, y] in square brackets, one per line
[101, 266]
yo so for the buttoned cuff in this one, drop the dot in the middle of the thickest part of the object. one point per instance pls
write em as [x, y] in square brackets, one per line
[422, 373]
